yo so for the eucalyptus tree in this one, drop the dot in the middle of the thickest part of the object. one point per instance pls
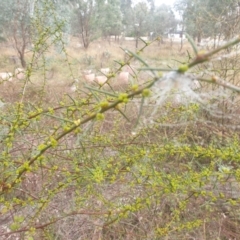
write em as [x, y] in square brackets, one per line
[152, 5]
[111, 18]
[15, 21]
[26, 24]
[139, 17]
[127, 14]
[163, 20]
[140, 25]
[210, 18]
[84, 20]
[192, 15]
[229, 14]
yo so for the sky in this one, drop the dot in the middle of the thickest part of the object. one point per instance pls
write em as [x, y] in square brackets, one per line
[168, 2]
[159, 2]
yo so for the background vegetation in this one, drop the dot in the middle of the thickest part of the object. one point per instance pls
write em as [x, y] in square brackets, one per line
[150, 159]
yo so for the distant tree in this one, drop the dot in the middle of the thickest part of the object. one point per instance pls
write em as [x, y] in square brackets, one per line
[85, 20]
[127, 14]
[139, 25]
[152, 5]
[210, 18]
[163, 20]
[111, 18]
[16, 25]
[92, 19]
[141, 12]
[2, 38]
[192, 12]
[229, 24]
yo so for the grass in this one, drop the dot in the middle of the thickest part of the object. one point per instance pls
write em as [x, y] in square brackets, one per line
[57, 74]
[175, 176]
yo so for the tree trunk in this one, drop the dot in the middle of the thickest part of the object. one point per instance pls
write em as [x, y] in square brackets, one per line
[22, 59]
[199, 38]
[85, 40]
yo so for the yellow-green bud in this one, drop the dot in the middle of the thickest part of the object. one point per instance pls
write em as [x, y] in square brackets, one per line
[183, 68]
[160, 74]
[123, 97]
[104, 104]
[100, 116]
[77, 122]
[146, 92]
[135, 87]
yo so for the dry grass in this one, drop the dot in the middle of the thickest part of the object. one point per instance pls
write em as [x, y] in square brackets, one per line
[111, 143]
[57, 74]
[100, 54]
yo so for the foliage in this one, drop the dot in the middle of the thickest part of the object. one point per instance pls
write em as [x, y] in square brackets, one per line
[85, 20]
[210, 18]
[126, 9]
[163, 20]
[140, 11]
[92, 19]
[15, 21]
[111, 18]
[106, 163]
